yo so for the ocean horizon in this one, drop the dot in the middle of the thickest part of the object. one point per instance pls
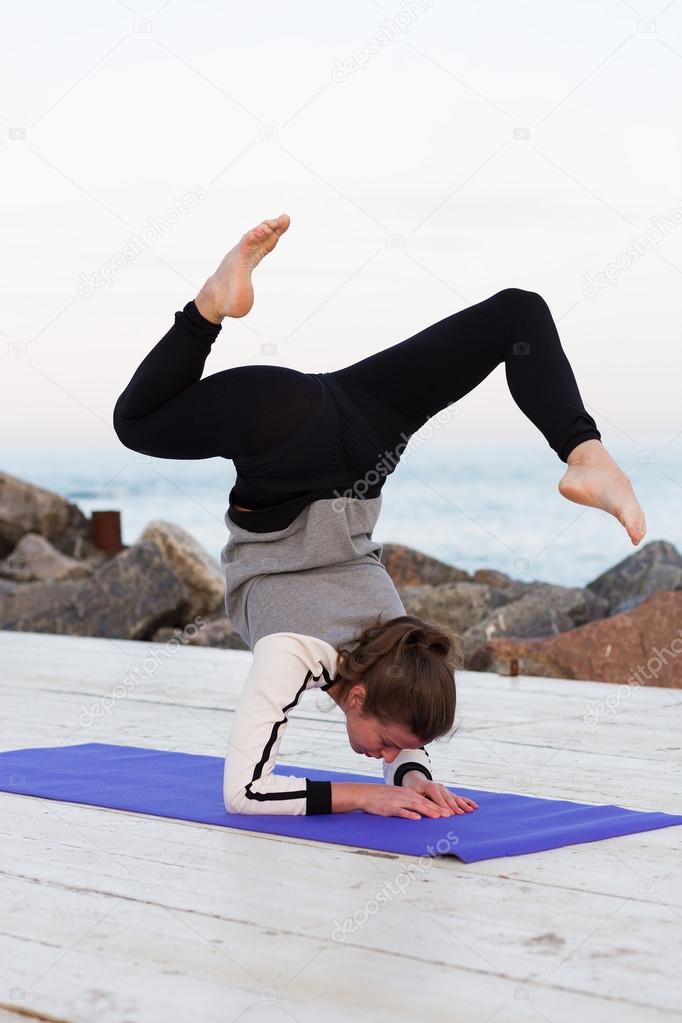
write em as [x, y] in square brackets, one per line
[494, 506]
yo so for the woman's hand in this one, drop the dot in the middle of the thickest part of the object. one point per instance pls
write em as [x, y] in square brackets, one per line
[441, 796]
[399, 801]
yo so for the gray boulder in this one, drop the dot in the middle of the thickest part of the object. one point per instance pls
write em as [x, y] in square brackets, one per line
[25, 508]
[543, 610]
[129, 597]
[35, 559]
[200, 573]
[457, 605]
[215, 631]
[657, 566]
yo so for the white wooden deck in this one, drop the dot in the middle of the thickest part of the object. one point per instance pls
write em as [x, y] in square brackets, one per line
[123, 918]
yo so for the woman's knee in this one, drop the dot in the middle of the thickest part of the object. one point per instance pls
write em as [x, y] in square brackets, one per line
[526, 311]
[128, 432]
[521, 298]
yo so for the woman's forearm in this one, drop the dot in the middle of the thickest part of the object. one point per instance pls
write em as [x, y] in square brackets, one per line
[347, 795]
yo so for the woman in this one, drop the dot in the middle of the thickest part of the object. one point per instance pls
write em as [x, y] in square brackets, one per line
[306, 589]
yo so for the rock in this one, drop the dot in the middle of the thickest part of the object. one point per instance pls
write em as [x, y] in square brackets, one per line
[408, 567]
[215, 631]
[639, 647]
[25, 508]
[192, 563]
[478, 611]
[501, 581]
[543, 610]
[35, 559]
[458, 605]
[129, 597]
[657, 566]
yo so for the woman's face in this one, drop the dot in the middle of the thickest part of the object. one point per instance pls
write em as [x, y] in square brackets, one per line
[368, 736]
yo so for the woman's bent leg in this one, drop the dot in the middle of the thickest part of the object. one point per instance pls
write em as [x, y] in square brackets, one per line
[168, 411]
[416, 378]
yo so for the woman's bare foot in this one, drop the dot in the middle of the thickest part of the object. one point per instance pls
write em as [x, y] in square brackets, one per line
[594, 479]
[229, 292]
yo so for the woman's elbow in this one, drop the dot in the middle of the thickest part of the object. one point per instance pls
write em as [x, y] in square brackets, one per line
[235, 799]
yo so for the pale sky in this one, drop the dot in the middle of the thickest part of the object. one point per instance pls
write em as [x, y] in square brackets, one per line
[429, 154]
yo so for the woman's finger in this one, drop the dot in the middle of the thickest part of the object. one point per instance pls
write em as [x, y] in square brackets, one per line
[440, 796]
[431, 806]
[466, 804]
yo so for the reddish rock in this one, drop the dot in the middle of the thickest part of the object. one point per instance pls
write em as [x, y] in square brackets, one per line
[638, 647]
[502, 581]
[409, 567]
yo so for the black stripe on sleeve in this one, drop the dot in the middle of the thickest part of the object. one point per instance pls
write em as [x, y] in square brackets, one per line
[404, 768]
[317, 794]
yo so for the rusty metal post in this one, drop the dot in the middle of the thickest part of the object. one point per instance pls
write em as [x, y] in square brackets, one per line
[105, 531]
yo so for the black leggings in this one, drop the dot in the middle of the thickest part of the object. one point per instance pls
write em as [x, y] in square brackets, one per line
[168, 411]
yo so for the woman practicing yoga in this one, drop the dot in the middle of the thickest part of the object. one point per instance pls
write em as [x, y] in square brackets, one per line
[305, 586]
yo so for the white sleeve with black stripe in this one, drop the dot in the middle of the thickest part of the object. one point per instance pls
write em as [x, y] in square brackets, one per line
[407, 760]
[285, 665]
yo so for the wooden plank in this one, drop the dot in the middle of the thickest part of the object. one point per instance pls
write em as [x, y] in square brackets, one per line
[111, 915]
[193, 937]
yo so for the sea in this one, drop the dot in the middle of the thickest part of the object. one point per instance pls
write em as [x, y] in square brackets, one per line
[491, 506]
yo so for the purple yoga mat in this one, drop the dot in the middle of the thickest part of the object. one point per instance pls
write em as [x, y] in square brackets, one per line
[188, 786]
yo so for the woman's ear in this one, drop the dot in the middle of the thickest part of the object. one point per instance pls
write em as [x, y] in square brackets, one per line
[356, 698]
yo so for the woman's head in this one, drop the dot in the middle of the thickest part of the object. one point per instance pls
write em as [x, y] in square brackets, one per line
[397, 685]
